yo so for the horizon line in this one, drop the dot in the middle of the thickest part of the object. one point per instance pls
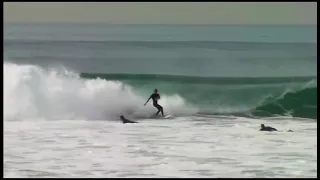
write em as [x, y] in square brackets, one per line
[102, 23]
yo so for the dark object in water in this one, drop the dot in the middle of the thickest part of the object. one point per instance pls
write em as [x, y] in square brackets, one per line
[267, 128]
[125, 120]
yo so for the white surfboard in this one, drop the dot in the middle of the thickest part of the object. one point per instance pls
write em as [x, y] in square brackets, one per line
[162, 117]
[167, 116]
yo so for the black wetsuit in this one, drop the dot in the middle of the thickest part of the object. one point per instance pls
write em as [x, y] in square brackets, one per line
[155, 97]
[267, 128]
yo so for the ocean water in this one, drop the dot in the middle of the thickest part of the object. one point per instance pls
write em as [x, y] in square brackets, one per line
[66, 85]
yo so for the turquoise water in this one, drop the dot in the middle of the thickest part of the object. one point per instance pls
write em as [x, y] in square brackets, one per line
[219, 69]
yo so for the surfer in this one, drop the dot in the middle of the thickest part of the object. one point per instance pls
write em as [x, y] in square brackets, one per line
[155, 97]
[125, 120]
[267, 128]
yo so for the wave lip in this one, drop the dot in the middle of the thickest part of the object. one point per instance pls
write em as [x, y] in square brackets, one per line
[196, 79]
[302, 103]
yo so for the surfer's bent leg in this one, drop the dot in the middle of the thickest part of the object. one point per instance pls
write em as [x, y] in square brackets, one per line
[160, 109]
[157, 106]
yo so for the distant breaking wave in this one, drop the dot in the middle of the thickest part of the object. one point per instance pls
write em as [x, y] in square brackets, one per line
[228, 45]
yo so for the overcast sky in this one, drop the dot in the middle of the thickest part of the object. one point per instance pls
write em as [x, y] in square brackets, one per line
[162, 13]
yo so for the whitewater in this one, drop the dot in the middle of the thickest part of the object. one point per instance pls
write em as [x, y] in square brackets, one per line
[32, 92]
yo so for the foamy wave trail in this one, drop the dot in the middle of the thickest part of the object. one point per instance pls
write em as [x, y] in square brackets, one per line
[31, 92]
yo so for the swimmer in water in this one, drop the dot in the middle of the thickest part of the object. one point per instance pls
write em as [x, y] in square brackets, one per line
[125, 120]
[267, 128]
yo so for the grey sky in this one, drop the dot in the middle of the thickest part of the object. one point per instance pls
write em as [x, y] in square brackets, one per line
[162, 13]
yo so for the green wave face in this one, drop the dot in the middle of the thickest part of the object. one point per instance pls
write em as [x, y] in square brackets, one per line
[260, 97]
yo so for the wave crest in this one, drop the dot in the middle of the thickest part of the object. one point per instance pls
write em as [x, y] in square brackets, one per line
[31, 92]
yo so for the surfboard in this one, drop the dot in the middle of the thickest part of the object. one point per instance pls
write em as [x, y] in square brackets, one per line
[167, 116]
[161, 117]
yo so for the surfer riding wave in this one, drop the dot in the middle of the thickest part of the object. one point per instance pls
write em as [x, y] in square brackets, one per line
[155, 97]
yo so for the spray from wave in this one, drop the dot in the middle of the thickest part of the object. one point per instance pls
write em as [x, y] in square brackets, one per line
[30, 92]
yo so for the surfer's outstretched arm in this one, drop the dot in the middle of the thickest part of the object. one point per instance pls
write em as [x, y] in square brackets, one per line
[147, 100]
